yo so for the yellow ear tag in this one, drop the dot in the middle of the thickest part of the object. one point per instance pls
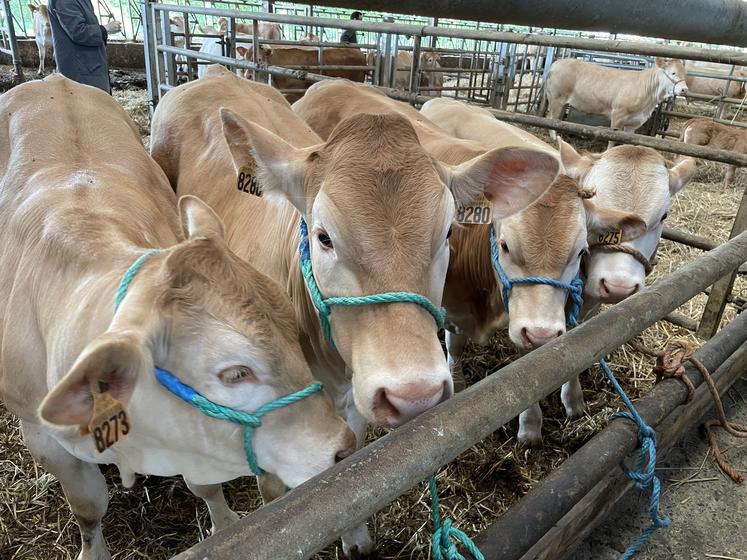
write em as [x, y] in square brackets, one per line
[610, 238]
[109, 423]
[478, 212]
[247, 181]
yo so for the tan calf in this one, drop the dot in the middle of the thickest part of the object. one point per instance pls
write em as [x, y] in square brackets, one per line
[265, 29]
[42, 33]
[705, 132]
[73, 223]
[428, 79]
[715, 87]
[379, 210]
[625, 97]
[546, 240]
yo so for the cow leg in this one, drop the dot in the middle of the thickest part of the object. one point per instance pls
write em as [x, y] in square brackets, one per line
[220, 514]
[455, 344]
[572, 397]
[83, 484]
[729, 177]
[42, 55]
[530, 426]
[270, 487]
[555, 108]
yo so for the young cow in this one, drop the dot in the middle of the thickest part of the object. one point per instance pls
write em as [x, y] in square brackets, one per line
[705, 132]
[73, 225]
[379, 211]
[42, 33]
[625, 97]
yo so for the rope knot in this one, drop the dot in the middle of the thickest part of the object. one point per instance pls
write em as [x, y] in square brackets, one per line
[670, 363]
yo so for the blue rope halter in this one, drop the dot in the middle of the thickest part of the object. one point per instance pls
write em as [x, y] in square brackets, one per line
[643, 473]
[443, 547]
[323, 305]
[170, 382]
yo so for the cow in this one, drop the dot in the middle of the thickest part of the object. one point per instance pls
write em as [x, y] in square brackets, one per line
[265, 30]
[42, 33]
[301, 55]
[429, 60]
[627, 98]
[547, 240]
[379, 211]
[705, 132]
[74, 221]
[715, 87]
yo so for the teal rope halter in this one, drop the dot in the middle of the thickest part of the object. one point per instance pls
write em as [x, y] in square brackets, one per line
[643, 474]
[170, 382]
[324, 305]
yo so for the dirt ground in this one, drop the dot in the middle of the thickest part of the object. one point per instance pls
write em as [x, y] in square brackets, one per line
[159, 517]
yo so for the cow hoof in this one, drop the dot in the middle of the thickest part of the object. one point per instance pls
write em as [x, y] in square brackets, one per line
[573, 412]
[355, 554]
[530, 440]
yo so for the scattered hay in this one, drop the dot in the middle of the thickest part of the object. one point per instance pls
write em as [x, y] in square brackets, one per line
[135, 102]
[159, 517]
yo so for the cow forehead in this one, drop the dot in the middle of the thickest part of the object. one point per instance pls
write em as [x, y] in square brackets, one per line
[545, 233]
[631, 178]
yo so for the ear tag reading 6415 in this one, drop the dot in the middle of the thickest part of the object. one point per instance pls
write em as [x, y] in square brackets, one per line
[610, 238]
[247, 180]
[109, 423]
[478, 212]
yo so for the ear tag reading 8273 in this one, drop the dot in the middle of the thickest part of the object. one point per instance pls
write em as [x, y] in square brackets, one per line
[247, 181]
[610, 238]
[109, 423]
[478, 212]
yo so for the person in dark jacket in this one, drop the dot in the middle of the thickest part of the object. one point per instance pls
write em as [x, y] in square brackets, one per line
[79, 42]
[349, 35]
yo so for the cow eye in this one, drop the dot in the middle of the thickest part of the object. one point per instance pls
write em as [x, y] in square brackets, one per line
[664, 217]
[582, 252]
[448, 234]
[237, 374]
[504, 246]
[325, 240]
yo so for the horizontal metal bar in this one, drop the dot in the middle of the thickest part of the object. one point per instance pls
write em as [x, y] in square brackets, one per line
[680, 115]
[315, 513]
[518, 529]
[634, 47]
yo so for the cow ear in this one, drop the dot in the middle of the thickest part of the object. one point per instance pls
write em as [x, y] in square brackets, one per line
[572, 161]
[510, 178]
[198, 219]
[603, 220]
[681, 174]
[280, 167]
[110, 362]
[242, 51]
[660, 62]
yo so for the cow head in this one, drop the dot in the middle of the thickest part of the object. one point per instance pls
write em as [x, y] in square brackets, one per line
[630, 179]
[379, 211]
[548, 240]
[429, 59]
[219, 326]
[673, 76]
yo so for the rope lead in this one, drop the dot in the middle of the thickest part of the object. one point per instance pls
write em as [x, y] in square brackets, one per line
[443, 546]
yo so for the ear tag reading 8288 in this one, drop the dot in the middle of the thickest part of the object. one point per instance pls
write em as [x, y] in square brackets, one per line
[247, 180]
[109, 423]
[478, 212]
[610, 238]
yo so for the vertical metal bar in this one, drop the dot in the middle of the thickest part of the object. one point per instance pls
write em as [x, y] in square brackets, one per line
[433, 22]
[18, 77]
[377, 61]
[521, 78]
[414, 85]
[150, 52]
[393, 69]
[189, 62]
[724, 93]
[157, 16]
[255, 48]
[231, 43]
[320, 57]
[168, 58]
[387, 55]
[721, 289]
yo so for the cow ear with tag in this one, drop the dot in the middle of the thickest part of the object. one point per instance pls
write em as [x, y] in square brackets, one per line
[509, 178]
[280, 168]
[608, 226]
[198, 219]
[101, 380]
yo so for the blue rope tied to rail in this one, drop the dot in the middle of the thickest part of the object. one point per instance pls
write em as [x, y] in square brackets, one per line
[443, 547]
[442, 544]
[643, 474]
[323, 305]
[250, 421]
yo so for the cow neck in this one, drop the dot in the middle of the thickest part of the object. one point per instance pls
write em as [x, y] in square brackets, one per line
[249, 421]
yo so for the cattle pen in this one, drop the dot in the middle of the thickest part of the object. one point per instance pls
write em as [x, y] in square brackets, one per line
[503, 71]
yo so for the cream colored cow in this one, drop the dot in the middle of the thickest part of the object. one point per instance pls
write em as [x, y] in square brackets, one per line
[42, 33]
[625, 97]
[379, 211]
[74, 220]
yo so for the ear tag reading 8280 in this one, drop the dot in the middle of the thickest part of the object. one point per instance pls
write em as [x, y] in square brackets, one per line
[109, 423]
[610, 238]
[247, 181]
[478, 212]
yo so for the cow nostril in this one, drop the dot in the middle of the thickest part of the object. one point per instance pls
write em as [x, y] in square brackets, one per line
[525, 336]
[383, 405]
[560, 332]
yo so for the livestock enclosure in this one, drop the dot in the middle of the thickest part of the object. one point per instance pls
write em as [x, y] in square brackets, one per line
[516, 504]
